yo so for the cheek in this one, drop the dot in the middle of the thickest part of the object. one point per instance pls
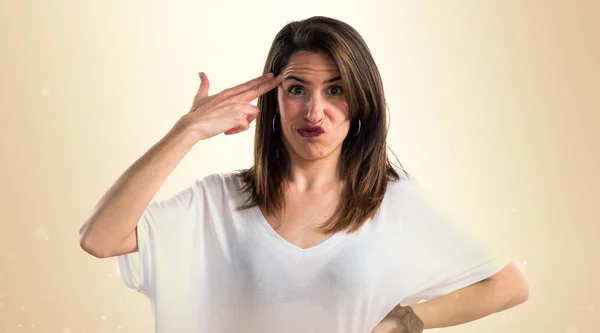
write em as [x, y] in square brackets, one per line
[289, 109]
[342, 113]
[287, 105]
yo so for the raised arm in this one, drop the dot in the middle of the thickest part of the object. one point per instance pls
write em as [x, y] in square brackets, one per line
[111, 228]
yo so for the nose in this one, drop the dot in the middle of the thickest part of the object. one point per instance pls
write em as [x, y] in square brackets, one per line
[315, 111]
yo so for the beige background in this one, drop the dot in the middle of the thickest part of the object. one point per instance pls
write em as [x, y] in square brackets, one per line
[495, 107]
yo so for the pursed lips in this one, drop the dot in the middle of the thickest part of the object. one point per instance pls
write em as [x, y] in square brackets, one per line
[311, 131]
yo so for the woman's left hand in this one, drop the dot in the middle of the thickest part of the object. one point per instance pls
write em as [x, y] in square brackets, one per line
[402, 319]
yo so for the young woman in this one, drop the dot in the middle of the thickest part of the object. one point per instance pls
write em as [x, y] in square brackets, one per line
[321, 234]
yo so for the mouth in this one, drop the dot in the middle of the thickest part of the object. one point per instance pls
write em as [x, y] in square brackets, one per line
[311, 131]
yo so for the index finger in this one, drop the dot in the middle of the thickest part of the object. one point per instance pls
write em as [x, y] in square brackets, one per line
[259, 89]
[246, 85]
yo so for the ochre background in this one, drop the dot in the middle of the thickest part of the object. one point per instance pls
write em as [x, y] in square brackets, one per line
[494, 106]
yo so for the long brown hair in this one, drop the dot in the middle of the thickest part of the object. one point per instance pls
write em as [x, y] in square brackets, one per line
[364, 163]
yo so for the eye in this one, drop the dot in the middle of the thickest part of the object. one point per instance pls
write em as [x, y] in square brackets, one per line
[335, 90]
[296, 90]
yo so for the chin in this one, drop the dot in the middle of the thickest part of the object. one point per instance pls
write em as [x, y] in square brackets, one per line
[313, 151]
[314, 154]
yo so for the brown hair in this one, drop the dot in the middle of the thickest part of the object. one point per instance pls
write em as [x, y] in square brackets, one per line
[364, 163]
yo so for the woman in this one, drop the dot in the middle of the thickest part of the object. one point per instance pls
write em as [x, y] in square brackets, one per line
[321, 234]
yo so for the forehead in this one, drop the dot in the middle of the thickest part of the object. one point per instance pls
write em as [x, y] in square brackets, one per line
[307, 63]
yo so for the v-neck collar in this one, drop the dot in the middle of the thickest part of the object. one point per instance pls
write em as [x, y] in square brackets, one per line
[302, 253]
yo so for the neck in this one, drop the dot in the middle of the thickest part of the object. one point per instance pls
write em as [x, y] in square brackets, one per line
[314, 176]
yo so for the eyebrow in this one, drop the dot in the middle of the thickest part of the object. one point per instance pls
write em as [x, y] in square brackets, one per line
[292, 77]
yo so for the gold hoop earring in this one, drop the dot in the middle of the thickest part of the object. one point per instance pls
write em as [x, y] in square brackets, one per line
[359, 126]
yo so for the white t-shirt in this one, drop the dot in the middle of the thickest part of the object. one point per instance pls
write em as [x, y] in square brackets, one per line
[207, 267]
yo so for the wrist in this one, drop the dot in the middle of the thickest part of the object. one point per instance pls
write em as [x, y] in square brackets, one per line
[183, 137]
[406, 319]
[185, 132]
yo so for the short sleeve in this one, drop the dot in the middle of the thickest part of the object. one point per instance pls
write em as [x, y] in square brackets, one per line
[161, 231]
[444, 257]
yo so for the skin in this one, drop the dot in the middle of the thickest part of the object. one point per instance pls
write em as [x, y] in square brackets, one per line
[110, 230]
[307, 97]
[310, 94]
[502, 291]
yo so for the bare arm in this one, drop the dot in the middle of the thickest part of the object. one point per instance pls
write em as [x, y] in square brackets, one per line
[111, 228]
[502, 291]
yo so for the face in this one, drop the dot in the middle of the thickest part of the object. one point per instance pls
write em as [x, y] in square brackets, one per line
[313, 107]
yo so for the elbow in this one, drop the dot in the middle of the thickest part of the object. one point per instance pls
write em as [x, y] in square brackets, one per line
[520, 289]
[510, 286]
[522, 294]
[519, 293]
[88, 245]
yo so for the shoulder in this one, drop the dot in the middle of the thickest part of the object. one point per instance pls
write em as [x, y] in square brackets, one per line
[217, 180]
[407, 194]
[219, 185]
[403, 186]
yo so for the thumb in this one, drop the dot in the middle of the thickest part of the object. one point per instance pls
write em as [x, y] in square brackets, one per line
[204, 85]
